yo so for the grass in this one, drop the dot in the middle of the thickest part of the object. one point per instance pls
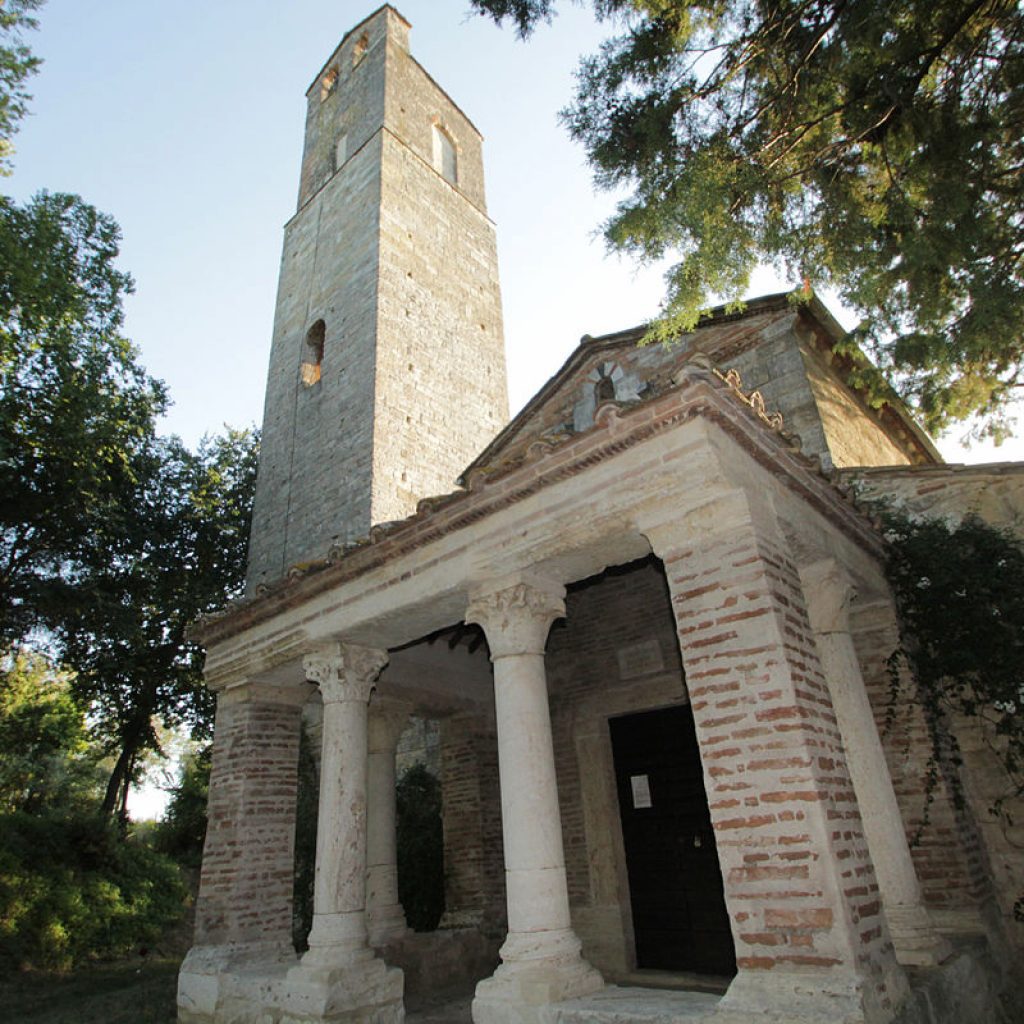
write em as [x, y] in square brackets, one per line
[126, 992]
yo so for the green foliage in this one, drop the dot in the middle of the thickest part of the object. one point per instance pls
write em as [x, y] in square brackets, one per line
[71, 888]
[306, 812]
[960, 593]
[111, 538]
[45, 757]
[175, 550]
[16, 65]
[182, 831]
[76, 409]
[872, 147]
[420, 848]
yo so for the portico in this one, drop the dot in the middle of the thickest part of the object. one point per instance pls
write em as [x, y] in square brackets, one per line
[712, 491]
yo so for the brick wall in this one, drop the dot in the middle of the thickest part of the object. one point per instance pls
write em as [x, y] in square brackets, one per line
[800, 885]
[245, 893]
[473, 855]
[944, 842]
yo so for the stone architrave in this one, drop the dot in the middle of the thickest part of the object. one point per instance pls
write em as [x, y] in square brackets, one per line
[829, 592]
[339, 978]
[541, 962]
[804, 904]
[385, 917]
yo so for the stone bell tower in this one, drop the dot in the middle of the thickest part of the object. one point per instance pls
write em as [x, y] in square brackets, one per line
[387, 368]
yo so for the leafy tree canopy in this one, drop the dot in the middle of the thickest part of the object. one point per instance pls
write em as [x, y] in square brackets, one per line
[16, 65]
[175, 549]
[76, 409]
[45, 758]
[874, 147]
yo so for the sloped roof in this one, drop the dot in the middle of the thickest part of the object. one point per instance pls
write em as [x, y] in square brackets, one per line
[557, 409]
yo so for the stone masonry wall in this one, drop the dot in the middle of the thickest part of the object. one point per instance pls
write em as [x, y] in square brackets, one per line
[441, 373]
[401, 267]
[314, 478]
[774, 352]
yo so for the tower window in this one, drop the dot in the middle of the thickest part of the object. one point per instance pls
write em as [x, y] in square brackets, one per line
[313, 354]
[445, 156]
[340, 151]
[359, 50]
[327, 84]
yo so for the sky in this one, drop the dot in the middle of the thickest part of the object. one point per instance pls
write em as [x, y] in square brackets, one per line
[184, 121]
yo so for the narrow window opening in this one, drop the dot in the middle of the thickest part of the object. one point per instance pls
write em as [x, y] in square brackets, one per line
[330, 80]
[359, 50]
[604, 390]
[445, 156]
[340, 151]
[313, 354]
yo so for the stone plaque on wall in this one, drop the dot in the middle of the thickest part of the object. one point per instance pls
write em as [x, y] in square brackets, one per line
[640, 659]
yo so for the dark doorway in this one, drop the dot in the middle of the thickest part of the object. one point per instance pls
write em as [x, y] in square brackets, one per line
[675, 884]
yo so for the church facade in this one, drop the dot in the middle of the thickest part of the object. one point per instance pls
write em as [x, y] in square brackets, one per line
[647, 615]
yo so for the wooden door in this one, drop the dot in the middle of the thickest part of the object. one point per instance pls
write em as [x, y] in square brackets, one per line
[675, 884]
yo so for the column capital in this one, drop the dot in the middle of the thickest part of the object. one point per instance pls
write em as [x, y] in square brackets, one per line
[828, 592]
[344, 672]
[517, 615]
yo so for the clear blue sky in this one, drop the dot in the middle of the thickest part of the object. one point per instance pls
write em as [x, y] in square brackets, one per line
[184, 121]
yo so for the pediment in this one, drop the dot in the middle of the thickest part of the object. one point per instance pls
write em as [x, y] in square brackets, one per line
[620, 369]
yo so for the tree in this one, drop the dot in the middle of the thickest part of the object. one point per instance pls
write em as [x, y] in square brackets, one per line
[77, 411]
[16, 65]
[45, 758]
[175, 549]
[877, 148]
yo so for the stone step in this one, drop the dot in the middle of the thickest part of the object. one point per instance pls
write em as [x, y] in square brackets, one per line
[615, 1005]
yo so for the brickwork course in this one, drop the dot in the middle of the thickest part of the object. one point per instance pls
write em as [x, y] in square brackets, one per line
[662, 534]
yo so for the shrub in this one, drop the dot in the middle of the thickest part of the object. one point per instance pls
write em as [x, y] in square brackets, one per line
[420, 848]
[72, 889]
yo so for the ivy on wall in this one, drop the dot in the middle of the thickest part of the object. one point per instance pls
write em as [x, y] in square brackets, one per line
[959, 588]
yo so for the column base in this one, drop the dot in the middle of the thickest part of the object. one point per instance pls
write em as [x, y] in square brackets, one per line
[520, 989]
[791, 997]
[360, 992]
[215, 981]
[914, 937]
[386, 925]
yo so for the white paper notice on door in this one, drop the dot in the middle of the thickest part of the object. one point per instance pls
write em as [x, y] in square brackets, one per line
[641, 786]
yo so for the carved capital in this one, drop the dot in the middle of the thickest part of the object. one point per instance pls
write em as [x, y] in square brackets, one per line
[344, 672]
[517, 618]
[829, 593]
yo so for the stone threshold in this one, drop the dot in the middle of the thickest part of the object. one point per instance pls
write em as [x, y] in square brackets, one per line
[619, 1005]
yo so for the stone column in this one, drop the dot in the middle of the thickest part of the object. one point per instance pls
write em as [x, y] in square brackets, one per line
[244, 909]
[541, 960]
[385, 917]
[829, 592]
[800, 888]
[339, 976]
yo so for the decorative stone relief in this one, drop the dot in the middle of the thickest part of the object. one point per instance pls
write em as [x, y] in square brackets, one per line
[517, 618]
[344, 672]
